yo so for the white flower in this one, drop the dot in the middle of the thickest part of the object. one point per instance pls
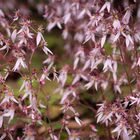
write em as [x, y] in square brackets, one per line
[19, 62]
[13, 35]
[135, 100]
[27, 90]
[78, 120]
[44, 76]
[63, 76]
[76, 62]
[116, 24]
[104, 114]
[38, 38]
[25, 30]
[9, 113]
[66, 94]
[65, 34]
[81, 14]
[41, 105]
[89, 35]
[49, 61]
[110, 65]
[128, 40]
[126, 17]
[117, 88]
[107, 65]
[77, 78]
[87, 64]
[5, 47]
[121, 129]
[9, 97]
[66, 18]
[103, 39]
[89, 84]
[46, 50]
[80, 55]
[27, 93]
[116, 37]
[106, 5]
[33, 103]
[51, 25]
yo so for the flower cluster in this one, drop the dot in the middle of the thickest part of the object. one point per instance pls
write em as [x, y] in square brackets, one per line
[19, 42]
[100, 75]
[102, 38]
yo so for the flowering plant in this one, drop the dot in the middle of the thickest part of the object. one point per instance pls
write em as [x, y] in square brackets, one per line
[101, 73]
